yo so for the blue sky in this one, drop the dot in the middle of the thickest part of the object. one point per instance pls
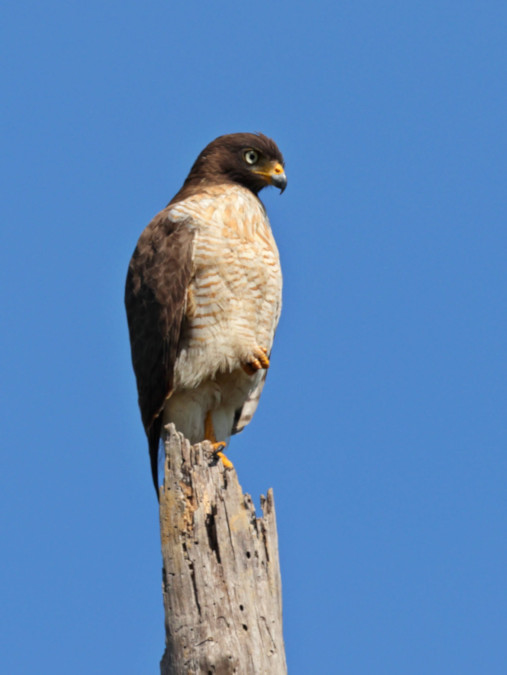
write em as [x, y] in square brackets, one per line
[382, 427]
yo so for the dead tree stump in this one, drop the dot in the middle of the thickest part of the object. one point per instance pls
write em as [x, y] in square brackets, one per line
[221, 575]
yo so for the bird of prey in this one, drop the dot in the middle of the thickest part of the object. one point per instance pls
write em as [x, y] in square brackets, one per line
[203, 296]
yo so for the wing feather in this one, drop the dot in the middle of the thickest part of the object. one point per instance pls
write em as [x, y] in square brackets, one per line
[155, 295]
[244, 414]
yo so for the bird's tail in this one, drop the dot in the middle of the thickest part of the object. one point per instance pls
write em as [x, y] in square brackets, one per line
[156, 448]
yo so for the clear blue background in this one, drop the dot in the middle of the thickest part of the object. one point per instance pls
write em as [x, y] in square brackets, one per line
[382, 428]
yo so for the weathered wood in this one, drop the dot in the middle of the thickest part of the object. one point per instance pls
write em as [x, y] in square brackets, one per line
[221, 576]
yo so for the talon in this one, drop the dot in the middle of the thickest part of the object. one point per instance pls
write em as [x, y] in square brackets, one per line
[225, 460]
[259, 360]
[248, 368]
[217, 446]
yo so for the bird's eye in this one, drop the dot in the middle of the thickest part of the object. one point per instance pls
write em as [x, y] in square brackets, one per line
[250, 156]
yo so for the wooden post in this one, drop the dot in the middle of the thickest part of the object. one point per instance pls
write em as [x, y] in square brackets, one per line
[221, 575]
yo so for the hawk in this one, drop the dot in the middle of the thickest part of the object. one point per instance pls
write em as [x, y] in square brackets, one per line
[203, 296]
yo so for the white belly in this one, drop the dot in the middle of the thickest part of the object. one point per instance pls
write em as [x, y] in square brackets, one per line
[222, 396]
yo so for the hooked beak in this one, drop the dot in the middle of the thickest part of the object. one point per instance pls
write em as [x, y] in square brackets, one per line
[274, 174]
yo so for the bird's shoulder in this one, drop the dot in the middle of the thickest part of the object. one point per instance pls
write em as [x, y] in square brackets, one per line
[161, 258]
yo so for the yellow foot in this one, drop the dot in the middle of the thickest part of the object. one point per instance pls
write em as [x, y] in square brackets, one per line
[217, 449]
[218, 446]
[258, 360]
[225, 460]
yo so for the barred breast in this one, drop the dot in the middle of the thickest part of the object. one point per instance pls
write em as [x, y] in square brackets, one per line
[233, 306]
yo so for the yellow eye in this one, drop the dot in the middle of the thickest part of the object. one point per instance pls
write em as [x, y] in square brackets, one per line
[250, 156]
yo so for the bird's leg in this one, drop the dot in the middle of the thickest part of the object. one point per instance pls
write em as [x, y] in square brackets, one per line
[209, 435]
[258, 359]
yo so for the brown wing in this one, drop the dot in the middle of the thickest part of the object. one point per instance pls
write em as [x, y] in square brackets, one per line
[155, 297]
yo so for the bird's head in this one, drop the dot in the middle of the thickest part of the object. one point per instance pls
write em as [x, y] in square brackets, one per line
[251, 160]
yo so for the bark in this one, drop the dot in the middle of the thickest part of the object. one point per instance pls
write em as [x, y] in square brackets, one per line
[221, 576]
